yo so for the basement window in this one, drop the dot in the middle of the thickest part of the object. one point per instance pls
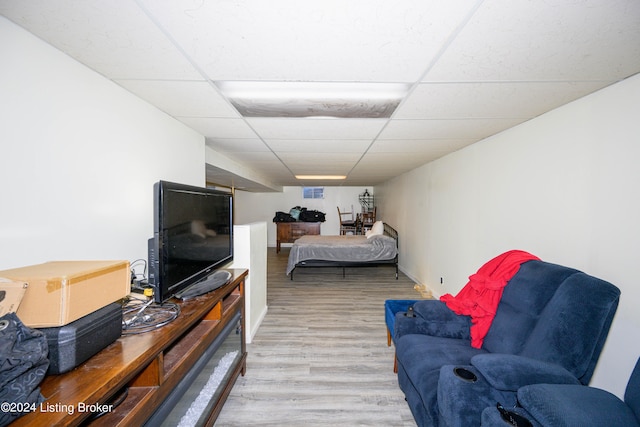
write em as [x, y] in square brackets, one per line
[313, 192]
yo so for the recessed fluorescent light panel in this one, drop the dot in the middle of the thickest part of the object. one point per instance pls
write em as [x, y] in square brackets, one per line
[321, 177]
[314, 99]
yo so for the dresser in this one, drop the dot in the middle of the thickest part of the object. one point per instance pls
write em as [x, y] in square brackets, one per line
[288, 232]
[153, 375]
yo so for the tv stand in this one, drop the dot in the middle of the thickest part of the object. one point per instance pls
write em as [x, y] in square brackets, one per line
[143, 370]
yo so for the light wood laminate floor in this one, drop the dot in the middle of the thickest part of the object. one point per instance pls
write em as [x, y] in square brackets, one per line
[320, 357]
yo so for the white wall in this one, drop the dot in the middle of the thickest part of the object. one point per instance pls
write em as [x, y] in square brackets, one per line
[250, 252]
[563, 186]
[78, 158]
[254, 207]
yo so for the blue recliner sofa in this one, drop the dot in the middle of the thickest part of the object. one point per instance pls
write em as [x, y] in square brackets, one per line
[550, 326]
[567, 405]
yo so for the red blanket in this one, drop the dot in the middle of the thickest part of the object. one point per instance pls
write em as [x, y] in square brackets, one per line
[481, 295]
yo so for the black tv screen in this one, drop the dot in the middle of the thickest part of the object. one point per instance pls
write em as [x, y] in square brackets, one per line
[193, 236]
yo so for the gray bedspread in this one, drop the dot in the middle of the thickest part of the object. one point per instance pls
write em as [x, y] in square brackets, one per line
[342, 248]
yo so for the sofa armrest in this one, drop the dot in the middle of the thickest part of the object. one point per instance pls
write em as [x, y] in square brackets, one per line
[433, 317]
[574, 405]
[509, 372]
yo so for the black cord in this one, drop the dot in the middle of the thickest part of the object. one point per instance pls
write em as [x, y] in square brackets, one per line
[144, 271]
[140, 316]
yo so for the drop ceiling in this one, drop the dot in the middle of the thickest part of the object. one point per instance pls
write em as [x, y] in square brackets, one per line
[472, 69]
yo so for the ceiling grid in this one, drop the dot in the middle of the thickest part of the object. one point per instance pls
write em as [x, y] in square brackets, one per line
[471, 68]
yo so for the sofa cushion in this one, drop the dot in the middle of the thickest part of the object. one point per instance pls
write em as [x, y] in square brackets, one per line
[565, 331]
[421, 353]
[421, 396]
[434, 318]
[575, 405]
[420, 358]
[510, 372]
[523, 299]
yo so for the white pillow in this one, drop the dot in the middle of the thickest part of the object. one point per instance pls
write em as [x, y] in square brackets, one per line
[377, 229]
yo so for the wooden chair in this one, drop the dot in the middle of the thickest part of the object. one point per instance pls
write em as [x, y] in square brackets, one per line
[348, 222]
[368, 218]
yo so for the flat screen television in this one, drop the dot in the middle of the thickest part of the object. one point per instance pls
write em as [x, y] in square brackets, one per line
[193, 236]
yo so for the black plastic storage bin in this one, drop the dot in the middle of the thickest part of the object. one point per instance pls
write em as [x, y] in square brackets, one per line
[74, 343]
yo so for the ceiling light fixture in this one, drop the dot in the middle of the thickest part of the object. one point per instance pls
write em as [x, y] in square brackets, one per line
[313, 99]
[336, 177]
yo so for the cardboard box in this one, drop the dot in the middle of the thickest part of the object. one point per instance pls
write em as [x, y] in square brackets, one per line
[11, 294]
[60, 292]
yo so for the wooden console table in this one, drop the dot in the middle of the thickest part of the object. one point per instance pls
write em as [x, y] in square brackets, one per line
[147, 366]
[288, 232]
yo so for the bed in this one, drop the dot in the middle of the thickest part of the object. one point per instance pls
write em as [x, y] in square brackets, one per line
[345, 251]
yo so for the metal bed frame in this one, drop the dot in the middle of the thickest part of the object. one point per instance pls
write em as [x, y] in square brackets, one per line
[388, 231]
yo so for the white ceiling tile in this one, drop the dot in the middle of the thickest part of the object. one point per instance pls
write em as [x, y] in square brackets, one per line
[319, 145]
[237, 145]
[332, 169]
[375, 168]
[490, 100]
[316, 169]
[485, 66]
[305, 158]
[453, 129]
[545, 40]
[362, 40]
[428, 146]
[219, 128]
[319, 163]
[115, 38]
[256, 158]
[182, 98]
[391, 161]
[317, 128]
